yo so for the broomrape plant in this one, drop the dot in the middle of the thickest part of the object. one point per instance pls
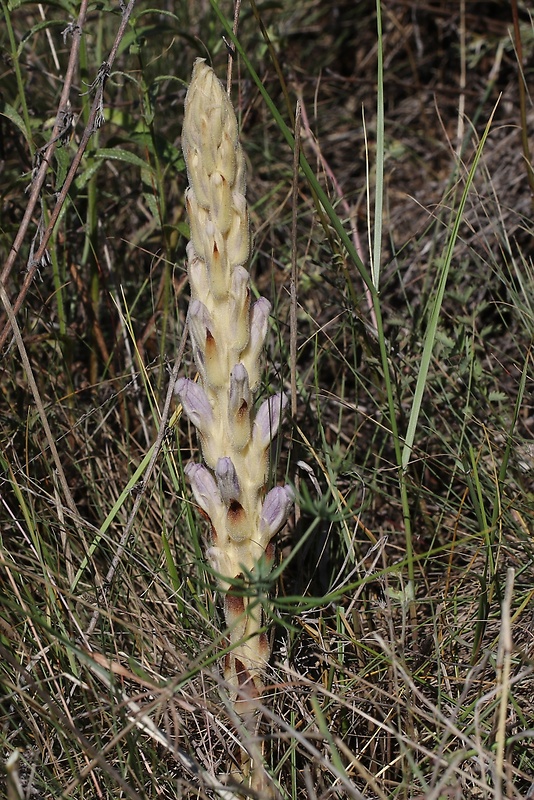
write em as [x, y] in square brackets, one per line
[228, 334]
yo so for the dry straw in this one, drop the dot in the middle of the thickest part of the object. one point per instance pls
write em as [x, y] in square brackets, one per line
[228, 334]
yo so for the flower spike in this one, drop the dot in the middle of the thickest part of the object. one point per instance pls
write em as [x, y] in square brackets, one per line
[228, 335]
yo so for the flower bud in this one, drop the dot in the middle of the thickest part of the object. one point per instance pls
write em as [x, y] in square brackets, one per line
[275, 511]
[198, 178]
[238, 237]
[216, 116]
[240, 293]
[209, 359]
[239, 389]
[259, 319]
[217, 262]
[198, 274]
[221, 202]
[227, 159]
[205, 491]
[239, 405]
[195, 404]
[268, 419]
[227, 480]
[207, 146]
[199, 322]
[198, 219]
[240, 182]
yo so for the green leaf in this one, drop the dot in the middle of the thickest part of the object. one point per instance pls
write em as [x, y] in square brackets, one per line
[184, 229]
[49, 23]
[84, 177]
[162, 78]
[159, 11]
[63, 163]
[16, 119]
[118, 154]
[152, 204]
[432, 329]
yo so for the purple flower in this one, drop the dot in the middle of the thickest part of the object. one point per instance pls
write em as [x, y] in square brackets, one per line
[199, 323]
[239, 389]
[259, 319]
[275, 511]
[227, 480]
[195, 403]
[268, 420]
[205, 490]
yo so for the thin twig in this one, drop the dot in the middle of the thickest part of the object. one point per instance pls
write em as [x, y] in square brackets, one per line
[460, 127]
[294, 283]
[39, 179]
[522, 101]
[93, 123]
[504, 664]
[230, 49]
[294, 264]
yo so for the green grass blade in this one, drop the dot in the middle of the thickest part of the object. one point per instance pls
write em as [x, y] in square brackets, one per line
[430, 336]
[112, 514]
[379, 189]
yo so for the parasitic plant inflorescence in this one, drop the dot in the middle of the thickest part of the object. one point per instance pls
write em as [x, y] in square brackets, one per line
[228, 333]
